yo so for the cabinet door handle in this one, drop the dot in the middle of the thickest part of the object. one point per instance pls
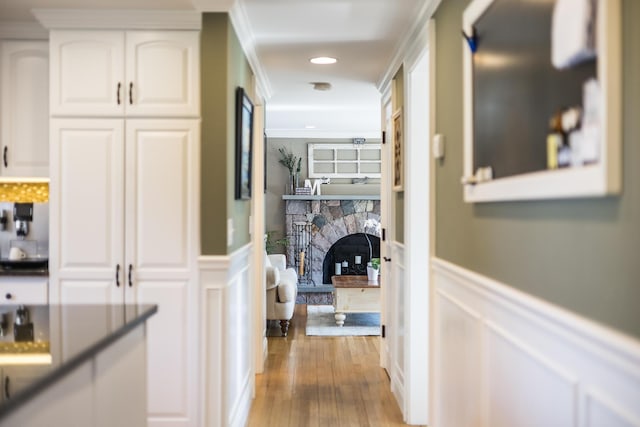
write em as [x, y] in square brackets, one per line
[386, 259]
[130, 93]
[7, 394]
[118, 275]
[118, 92]
[4, 156]
[130, 271]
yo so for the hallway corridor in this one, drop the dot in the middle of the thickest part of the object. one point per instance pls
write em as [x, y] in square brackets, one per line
[323, 381]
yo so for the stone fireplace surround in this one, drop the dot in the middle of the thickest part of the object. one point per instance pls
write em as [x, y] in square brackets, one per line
[332, 218]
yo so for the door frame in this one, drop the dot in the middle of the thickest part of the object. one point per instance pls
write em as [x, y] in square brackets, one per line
[419, 72]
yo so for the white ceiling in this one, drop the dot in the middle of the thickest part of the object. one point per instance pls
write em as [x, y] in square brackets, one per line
[362, 34]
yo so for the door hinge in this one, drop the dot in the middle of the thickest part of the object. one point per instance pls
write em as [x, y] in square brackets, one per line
[383, 331]
[384, 137]
[384, 234]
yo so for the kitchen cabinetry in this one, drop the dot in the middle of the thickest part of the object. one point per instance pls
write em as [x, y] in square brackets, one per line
[133, 73]
[25, 108]
[124, 227]
[23, 290]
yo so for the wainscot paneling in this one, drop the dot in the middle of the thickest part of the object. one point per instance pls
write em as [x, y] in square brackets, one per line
[226, 334]
[503, 358]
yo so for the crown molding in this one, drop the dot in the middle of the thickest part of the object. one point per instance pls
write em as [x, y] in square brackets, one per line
[119, 19]
[409, 42]
[27, 30]
[240, 22]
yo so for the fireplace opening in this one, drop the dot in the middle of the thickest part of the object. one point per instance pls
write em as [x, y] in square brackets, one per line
[348, 251]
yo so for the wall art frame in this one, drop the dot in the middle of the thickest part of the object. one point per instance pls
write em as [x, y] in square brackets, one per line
[244, 145]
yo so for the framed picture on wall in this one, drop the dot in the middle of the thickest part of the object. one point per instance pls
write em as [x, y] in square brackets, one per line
[244, 144]
[398, 164]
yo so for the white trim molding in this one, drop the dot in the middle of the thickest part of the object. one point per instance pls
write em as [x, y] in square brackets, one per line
[506, 358]
[415, 36]
[240, 22]
[119, 19]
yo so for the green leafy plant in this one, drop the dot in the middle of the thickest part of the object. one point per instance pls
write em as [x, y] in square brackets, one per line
[375, 263]
[289, 160]
[271, 243]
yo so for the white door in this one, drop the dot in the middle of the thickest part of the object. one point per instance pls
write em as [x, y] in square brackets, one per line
[87, 73]
[161, 189]
[25, 108]
[86, 211]
[163, 72]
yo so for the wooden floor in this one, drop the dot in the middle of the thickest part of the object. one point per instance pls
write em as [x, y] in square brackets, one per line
[323, 381]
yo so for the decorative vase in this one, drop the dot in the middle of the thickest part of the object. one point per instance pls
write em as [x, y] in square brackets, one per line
[291, 189]
[372, 275]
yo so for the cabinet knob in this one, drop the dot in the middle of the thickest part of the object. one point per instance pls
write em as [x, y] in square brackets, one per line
[8, 296]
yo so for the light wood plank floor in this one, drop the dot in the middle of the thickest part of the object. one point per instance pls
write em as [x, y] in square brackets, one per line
[323, 381]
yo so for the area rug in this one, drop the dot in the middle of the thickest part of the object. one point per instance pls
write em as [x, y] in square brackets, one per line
[320, 322]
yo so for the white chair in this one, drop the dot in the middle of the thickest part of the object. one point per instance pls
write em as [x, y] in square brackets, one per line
[282, 290]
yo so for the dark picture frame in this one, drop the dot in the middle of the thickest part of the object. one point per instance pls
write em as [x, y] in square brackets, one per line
[398, 155]
[244, 144]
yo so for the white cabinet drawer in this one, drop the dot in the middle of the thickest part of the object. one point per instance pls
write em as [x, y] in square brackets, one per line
[23, 290]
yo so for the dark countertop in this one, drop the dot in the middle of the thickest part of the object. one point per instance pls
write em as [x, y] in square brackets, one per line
[58, 347]
[9, 272]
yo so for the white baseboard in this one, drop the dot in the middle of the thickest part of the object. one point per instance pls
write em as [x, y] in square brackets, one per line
[503, 358]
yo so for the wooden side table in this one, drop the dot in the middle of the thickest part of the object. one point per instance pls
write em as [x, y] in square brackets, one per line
[354, 294]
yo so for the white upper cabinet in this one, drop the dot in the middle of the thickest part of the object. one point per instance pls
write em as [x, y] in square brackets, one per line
[25, 108]
[133, 73]
[87, 73]
[162, 73]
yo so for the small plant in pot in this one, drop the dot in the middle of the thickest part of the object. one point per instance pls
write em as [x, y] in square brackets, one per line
[373, 270]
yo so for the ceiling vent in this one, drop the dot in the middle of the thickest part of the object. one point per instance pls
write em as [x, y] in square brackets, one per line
[321, 85]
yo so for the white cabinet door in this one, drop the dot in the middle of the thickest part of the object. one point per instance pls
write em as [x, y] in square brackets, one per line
[88, 70]
[25, 108]
[87, 211]
[87, 73]
[162, 73]
[161, 191]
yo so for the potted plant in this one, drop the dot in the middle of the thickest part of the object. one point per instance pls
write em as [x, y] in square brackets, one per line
[373, 270]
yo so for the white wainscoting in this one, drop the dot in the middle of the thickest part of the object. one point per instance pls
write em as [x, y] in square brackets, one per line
[227, 358]
[504, 358]
[395, 322]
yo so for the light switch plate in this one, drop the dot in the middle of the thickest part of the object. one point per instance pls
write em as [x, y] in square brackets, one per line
[438, 146]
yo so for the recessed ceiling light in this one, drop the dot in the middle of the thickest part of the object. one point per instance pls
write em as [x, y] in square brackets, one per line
[310, 127]
[323, 60]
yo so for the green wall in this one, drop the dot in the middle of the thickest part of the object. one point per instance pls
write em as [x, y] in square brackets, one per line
[223, 68]
[579, 254]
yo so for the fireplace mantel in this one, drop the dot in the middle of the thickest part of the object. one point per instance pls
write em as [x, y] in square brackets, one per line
[333, 197]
